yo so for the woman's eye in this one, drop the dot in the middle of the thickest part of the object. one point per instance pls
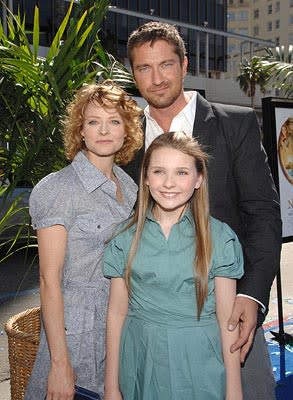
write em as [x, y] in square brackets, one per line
[92, 122]
[182, 173]
[157, 171]
[116, 122]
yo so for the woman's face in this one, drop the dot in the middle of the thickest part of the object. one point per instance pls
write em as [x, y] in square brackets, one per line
[172, 178]
[103, 131]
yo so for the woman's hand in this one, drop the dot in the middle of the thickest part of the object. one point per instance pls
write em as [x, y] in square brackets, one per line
[61, 382]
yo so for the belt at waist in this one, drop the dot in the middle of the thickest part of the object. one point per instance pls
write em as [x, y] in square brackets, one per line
[172, 321]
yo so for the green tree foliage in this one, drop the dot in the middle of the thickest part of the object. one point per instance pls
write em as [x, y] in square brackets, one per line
[278, 63]
[34, 90]
[252, 74]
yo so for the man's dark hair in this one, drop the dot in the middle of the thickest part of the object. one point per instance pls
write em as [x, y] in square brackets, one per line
[153, 31]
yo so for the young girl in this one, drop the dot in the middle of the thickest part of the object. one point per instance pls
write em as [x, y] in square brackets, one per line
[75, 211]
[173, 271]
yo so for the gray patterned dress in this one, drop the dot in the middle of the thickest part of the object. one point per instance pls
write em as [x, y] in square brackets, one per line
[83, 200]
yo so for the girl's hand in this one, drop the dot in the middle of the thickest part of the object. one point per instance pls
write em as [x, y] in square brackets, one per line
[61, 382]
[113, 394]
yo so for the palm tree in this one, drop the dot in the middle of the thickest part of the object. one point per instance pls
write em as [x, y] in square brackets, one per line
[251, 75]
[278, 63]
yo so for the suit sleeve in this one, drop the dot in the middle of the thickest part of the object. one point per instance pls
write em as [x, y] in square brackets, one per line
[260, 211]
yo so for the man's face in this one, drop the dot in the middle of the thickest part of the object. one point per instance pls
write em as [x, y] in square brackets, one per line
[158, 73]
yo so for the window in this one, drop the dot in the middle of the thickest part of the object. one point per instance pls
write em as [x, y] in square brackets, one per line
[245, 47]
[291, 3]
[291, 20]
[256, 30]
[231, 48]
[256, 13]
[243, 16]
[277, 6]
[231, 1]
[277, 24]
[270, 26]
[270, 9]
[231, 16]
[243, 31]
[277, 40]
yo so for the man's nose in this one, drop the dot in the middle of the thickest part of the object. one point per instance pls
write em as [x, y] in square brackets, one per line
[157, 76]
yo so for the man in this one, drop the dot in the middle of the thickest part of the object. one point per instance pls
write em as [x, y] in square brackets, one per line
[242, 192]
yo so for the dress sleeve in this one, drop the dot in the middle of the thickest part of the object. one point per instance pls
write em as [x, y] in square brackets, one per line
[227, 258]
[114, 259]
[50, 204]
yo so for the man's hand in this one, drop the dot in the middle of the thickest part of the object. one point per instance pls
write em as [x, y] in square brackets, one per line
[244, 315]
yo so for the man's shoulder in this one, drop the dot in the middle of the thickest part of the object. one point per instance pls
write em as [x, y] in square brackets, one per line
[228, 110]
[222, 108]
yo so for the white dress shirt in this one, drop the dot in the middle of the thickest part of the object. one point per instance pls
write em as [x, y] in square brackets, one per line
[181, 122]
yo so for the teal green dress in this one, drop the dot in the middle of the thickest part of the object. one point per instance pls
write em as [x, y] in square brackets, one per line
[166, 353]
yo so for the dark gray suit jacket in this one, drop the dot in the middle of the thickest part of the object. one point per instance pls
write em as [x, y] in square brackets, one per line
[241, 189]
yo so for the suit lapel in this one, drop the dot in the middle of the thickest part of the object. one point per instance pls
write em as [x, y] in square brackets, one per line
[204, 122]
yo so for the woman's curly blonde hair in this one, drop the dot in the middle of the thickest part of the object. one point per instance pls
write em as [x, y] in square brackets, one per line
[108, 95]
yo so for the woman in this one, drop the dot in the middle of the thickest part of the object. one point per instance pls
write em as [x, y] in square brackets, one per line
[74, 212]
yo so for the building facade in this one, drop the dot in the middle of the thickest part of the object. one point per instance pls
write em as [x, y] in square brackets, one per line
[266, 19]
[203, 13]
[211, 47]
[117, 27]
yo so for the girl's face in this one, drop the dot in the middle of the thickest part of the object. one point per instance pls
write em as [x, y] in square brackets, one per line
[103, 132]
[172, 178]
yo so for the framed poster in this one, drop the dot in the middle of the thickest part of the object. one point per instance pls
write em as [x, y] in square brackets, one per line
[278, 143]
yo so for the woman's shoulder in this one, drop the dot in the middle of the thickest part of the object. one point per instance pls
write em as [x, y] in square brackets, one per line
[52, 183]
[55, 178]
[55, 187]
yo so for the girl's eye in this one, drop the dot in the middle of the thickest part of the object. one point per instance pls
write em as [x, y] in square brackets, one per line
[157, 171]
[116, 122]
[182, 173]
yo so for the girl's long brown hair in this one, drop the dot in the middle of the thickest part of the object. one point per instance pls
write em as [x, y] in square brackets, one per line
[199, 204]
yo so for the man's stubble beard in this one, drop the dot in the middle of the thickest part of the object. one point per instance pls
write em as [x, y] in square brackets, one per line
[161, 103]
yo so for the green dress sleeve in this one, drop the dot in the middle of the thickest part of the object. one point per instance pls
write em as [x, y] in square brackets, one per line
[114, 259]
[227, 259]
[116, 252]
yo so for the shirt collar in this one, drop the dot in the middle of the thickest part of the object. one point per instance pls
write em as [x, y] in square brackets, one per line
[92, 178]
[188, 110]
[186, 216]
